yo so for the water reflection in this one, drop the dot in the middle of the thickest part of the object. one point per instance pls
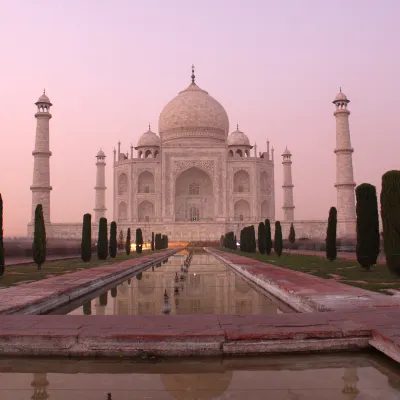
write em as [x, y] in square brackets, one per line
[206, 286]
[322, 377]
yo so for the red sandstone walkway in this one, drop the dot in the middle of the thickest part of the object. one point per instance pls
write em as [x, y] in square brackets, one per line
[353, 318]
[308, 293]
[30, 298]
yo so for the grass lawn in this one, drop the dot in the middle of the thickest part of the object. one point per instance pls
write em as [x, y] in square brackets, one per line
[344, 271]
[15, 275]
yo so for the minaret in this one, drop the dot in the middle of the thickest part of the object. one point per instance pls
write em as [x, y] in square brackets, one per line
[288, 205]
[41, 159]
[344, 169]
[100, 188]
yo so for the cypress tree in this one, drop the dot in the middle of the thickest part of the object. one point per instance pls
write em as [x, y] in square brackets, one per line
[331, 250]
[128, 242]
[158, 242]
[166, 241]
[368, 239]
[121, 240]
[152, 241]
[1, 238]
[252, 239]
[390, 214]
[241, 240]
[139, 240]
[261, 237]
[278, 242]
[39, 238]
[113, 239]
[86, 244]
[268, 237]
[292, 234]
[102, 241]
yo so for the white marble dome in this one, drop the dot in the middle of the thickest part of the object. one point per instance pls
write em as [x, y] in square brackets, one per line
[238, 138]
[194, 110]
[148, 139]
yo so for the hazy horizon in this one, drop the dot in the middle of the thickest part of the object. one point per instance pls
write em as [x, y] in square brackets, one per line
[110, 67]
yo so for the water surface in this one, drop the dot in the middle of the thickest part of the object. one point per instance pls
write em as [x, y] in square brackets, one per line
[345, 376]
[207, 286]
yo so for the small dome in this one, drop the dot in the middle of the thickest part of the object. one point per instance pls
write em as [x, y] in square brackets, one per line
[286, 152]
[238, 138]
[100, 153]
[43, 99]
[148, 139]
[340, 97]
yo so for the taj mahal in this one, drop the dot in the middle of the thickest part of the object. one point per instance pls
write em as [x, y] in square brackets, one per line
[195, 179]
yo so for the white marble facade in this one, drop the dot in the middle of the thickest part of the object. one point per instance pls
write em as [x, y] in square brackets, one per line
[195, 180]
[194, 175]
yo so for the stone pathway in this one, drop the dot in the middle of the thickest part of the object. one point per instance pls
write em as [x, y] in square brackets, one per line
[307, 293]
[41, 296]
[19, 261]
[352, 318]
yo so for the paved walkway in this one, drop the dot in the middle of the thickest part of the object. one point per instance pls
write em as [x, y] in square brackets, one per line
[352, 318]
[19, 261]
[308, 293]
[41, 296]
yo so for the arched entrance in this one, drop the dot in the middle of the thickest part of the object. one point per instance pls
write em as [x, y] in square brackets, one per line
[194, 199]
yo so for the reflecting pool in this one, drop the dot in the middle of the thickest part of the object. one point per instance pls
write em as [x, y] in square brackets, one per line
[207, 286]
[349, 376]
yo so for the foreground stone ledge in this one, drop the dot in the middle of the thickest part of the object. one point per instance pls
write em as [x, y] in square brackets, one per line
[184, 335]
[45, 295]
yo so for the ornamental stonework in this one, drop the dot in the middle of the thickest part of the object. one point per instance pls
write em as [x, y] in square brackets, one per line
[182, 165]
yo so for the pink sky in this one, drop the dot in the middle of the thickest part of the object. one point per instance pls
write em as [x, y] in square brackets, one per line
[110, 66]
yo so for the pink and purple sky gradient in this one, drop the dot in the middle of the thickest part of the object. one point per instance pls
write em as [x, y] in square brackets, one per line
[110, 66]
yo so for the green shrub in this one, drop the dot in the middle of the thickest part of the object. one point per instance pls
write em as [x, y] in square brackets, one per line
[278, 240]
[86, 244]
[390, 214]
[113, 239]
[128, 242]
[39, 238]
[102, 242]
[261, 237]
[1, 238]
[331, 245]
[139, 240]
[368, 239]
[292, 234]
[268, 237]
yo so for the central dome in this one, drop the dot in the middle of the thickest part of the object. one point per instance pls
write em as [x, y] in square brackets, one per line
[193, 113]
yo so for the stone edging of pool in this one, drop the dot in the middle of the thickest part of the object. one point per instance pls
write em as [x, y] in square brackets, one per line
[310, 294]
[48, 294]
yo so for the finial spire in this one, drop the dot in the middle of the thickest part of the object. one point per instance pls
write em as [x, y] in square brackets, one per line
[149, 127]
[237, 126]
[44, 91]
[340, 89]
[193, 75]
